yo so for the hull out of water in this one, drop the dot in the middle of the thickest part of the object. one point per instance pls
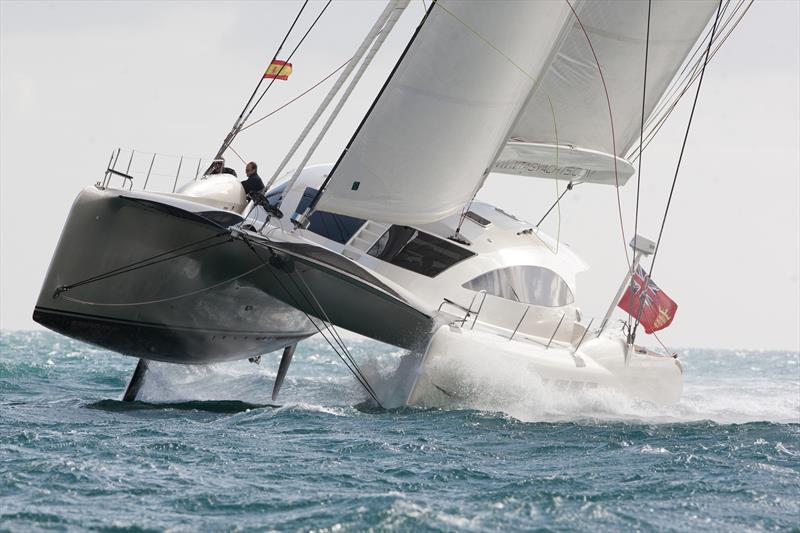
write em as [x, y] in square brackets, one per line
[204, 303]
[461, 365]
[329, 286]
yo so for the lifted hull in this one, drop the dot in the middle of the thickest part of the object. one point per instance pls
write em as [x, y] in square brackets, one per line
[330, 287]
[204, 303]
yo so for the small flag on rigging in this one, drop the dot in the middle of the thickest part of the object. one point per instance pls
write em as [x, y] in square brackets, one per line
[279, 70]
[654, 308]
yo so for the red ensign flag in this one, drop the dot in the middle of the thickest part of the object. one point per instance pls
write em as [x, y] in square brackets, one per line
[279, 70]
[657, 309]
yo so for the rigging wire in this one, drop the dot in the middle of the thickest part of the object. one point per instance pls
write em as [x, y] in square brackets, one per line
[237, 124]
[142, 263]
[334, 332]
[168, 298]
[690, 67]
[677, 170]
[655, 123]
[347, 359]
[570, 186]
[320, 82]
[237, 155]
[558, 196]
[613, 136]
[641, 135]
[272, 81]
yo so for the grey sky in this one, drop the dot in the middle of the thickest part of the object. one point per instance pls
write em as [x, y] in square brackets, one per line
[78, 79]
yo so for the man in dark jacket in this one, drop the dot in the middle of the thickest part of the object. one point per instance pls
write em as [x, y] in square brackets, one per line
[253, 182]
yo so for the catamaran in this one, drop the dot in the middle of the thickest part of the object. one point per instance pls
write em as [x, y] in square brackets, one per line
[389, 241]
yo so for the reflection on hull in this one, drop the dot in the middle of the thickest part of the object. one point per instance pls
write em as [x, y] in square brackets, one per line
[329, 286]
[202, 303]
[160, 342]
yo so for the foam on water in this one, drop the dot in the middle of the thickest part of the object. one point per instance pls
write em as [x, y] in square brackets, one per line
[768, 393]
[207, 452]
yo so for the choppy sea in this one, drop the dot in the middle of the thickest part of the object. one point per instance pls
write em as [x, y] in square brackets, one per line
[205, 451]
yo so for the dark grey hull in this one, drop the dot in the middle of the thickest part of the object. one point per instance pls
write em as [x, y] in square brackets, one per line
[203, 303]
[327, 285]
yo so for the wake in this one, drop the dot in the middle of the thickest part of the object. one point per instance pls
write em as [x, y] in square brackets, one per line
[719, 391]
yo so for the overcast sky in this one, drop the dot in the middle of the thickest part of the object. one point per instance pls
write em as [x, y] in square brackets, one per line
[78, 79]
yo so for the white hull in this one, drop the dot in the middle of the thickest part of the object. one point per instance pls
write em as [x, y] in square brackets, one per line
[462, 364]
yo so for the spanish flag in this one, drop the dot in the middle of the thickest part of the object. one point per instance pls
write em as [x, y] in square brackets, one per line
[278, 70]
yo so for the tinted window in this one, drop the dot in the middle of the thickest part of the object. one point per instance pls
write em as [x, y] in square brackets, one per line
[275, 195]
[339, 228]
[526, 284]
[417, 251]
[475, 217]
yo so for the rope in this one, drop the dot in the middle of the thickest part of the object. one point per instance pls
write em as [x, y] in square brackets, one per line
[677, 170]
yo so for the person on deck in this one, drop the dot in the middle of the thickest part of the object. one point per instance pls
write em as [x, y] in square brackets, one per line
[253, 182]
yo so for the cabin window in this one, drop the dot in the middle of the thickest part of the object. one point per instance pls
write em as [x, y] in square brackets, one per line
[525, 283]
[417, 251]
[479, 220]
[339, 228]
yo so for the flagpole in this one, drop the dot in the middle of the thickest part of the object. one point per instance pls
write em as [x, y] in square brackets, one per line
[643, 248]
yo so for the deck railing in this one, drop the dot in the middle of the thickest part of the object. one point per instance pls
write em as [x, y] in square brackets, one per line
[148, 171]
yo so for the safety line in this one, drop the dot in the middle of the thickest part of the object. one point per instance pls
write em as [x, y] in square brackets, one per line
[168, 299]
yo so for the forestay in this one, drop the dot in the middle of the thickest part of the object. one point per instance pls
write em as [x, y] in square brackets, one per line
[565, 130]
[445, 112]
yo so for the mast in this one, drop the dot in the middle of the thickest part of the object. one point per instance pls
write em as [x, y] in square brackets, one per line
[376, 37]
[302, 219]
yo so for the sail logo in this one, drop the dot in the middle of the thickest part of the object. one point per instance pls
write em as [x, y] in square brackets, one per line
[533, 167]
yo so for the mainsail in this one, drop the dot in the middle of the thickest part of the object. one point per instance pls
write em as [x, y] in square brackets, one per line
[569, 112]
[512, 87]
[431, 136]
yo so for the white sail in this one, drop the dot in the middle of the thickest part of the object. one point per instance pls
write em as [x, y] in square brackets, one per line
[438, 124]
[565, 130]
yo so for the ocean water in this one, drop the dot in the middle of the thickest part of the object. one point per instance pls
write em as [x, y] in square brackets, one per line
[204, 450]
